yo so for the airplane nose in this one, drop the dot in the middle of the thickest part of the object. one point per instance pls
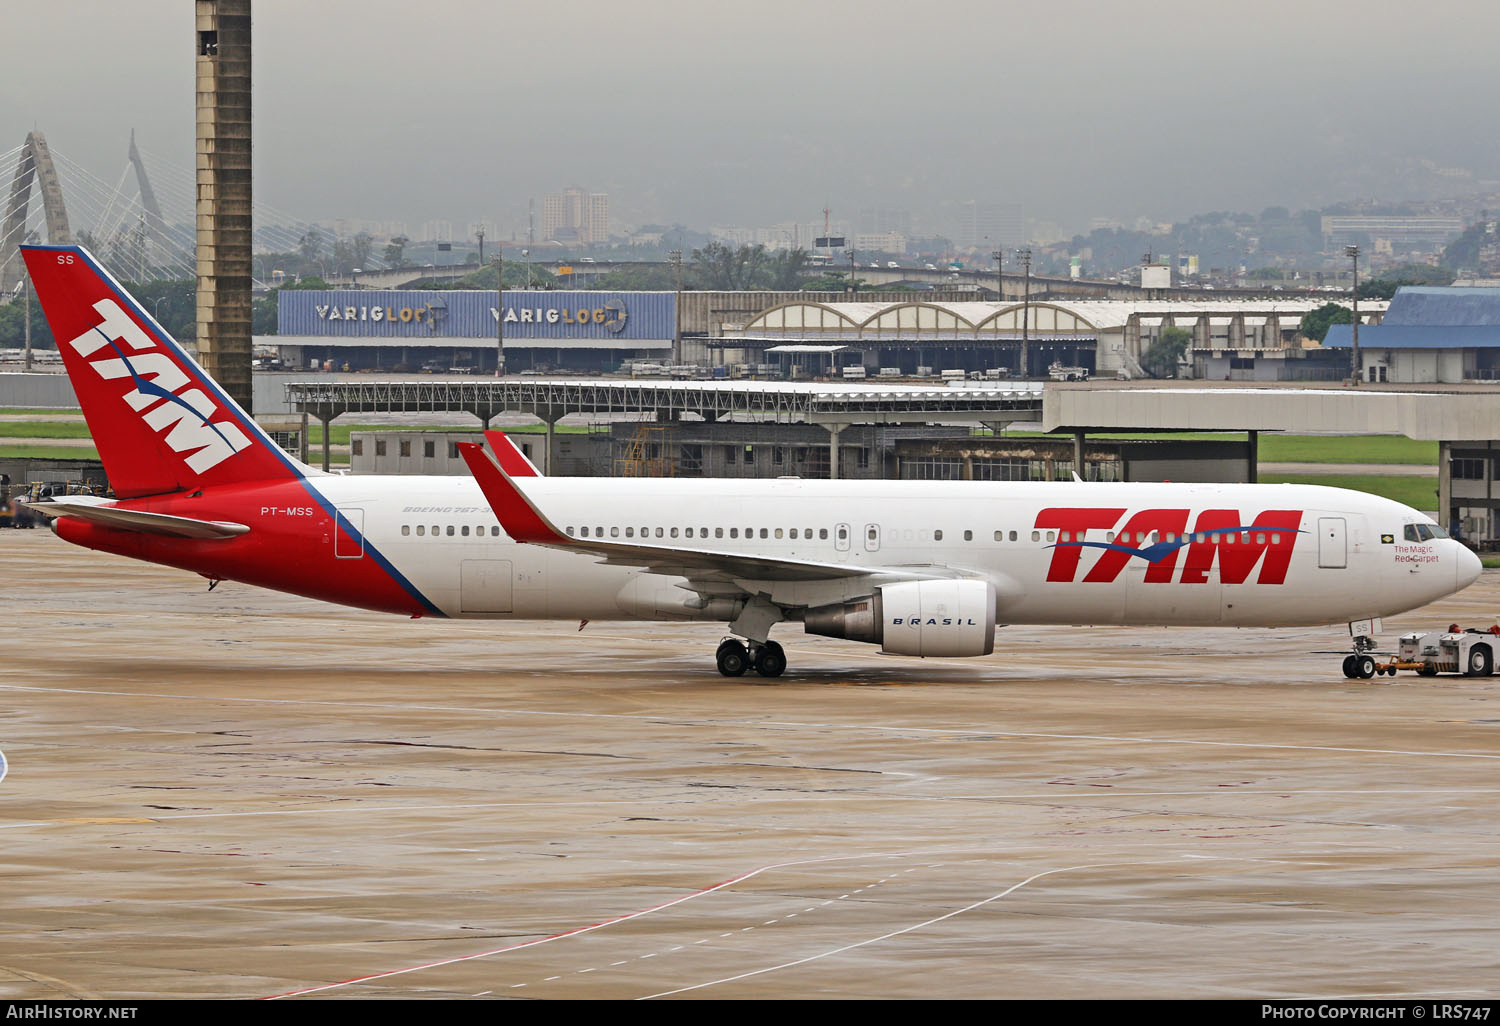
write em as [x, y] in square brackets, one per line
[1466, 567]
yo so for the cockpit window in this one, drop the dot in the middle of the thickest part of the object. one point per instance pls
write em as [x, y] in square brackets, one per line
[1423, 532]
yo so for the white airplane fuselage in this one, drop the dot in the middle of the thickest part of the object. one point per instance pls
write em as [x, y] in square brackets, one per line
[1346, 557]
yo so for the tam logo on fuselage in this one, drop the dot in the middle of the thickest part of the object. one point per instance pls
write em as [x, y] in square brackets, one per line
[1158, 535]
[161, 395]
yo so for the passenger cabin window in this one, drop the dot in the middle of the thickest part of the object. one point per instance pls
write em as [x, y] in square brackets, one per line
[406, 529]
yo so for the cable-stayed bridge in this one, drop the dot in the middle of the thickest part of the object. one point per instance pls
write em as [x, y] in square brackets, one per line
[140, 224]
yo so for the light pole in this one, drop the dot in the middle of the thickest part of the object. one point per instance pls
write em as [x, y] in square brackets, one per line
[1025, 258]
[676, 257]
[850, 252]
[999, 257]
[25, 286]
[1352, 252]
[499, 313]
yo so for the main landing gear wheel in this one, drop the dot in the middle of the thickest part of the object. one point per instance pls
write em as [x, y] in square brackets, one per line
[732, 658]
[770, 659]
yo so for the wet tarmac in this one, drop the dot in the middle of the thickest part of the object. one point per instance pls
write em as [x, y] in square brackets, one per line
[242, 794]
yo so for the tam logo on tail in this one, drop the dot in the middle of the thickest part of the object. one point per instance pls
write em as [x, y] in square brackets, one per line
[160, 395]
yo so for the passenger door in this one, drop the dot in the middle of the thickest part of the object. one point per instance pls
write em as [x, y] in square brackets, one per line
[1333, 543]
[349, 533]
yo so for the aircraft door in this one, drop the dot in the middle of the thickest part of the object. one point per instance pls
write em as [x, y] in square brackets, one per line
[872, 537]
[841, 537]
[486, 586]
[349, 533]
[1333, 544]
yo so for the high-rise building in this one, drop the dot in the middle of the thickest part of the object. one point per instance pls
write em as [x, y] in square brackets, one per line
[987, 226]
[884, 221]
[575, 215]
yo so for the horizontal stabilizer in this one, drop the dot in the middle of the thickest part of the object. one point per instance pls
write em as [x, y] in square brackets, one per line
[100, 512]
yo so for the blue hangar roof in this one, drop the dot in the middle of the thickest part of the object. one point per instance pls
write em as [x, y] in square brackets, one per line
[1431, 306]
[1430, 317]
[1414, 336]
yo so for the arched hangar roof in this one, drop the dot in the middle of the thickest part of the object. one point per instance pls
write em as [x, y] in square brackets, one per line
[803, 318]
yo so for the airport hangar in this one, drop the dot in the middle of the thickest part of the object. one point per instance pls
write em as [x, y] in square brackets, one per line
[785, 334]
[847, 430]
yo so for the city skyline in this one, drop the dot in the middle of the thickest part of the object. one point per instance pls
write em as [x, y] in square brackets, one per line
[693, 117]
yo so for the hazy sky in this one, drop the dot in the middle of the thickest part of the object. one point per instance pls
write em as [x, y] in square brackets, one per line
[761, 112]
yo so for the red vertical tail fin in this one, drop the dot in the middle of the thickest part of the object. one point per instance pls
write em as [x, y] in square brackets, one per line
[159, 422]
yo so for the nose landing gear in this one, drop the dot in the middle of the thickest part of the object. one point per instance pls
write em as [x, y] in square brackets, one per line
[734, 658]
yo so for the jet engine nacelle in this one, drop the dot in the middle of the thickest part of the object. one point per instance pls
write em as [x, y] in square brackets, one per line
[918, 618]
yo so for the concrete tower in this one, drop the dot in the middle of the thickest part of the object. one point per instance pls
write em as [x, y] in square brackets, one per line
[224, 261]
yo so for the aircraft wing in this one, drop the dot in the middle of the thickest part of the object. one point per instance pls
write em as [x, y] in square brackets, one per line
[525, 522]
[106, 514]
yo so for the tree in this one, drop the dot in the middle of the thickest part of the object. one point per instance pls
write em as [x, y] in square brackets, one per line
[174, 304]
[831, 281]
[1385, 286]
[787, 269]
[13, 325]
[1163, 355]
[652, 278]
[1316, 323]
[311, 245]
[362, 247]
[264, 313]
[395, 251]
[343, 256]
[721, 267]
